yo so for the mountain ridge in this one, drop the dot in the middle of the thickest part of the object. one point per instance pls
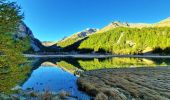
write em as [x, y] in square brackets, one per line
[112, 25]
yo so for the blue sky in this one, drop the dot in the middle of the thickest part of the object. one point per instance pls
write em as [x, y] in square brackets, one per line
[51, 20]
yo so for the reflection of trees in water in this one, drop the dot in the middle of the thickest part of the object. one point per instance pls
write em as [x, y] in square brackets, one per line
[12, 73]
[122, 63]
[72, 64]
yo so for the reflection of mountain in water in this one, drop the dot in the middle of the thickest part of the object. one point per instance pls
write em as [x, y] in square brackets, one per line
[69, 65]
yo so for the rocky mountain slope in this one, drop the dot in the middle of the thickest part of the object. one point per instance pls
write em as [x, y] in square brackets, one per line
[76, 37]
[25, 32]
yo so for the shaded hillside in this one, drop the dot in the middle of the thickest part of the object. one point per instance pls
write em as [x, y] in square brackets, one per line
[50, 47]
[74, 47]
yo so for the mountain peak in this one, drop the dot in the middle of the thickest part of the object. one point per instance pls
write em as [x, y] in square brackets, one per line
[85, 32]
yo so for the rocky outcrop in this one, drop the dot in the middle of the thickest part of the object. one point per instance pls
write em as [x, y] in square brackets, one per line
[86, 32]
[82, 34]
[25, 32]
[127, 84]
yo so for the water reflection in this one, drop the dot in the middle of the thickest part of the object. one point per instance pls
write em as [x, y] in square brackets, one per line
[53, 79]
[48, 75]
[77, 64]
[56, 74]
[122, 63]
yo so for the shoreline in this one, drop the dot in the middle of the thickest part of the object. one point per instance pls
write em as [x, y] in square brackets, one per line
[94, 56]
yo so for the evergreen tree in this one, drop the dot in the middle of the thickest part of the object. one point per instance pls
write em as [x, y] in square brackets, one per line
[10, 18]
[10, 48]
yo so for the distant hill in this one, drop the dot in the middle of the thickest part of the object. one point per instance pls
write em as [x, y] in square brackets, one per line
[48, 43]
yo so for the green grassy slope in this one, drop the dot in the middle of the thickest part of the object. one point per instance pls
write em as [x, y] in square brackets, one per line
[129, 40]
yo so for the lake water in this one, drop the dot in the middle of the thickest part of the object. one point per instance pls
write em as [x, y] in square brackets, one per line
[60, 74]
[54, 79]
